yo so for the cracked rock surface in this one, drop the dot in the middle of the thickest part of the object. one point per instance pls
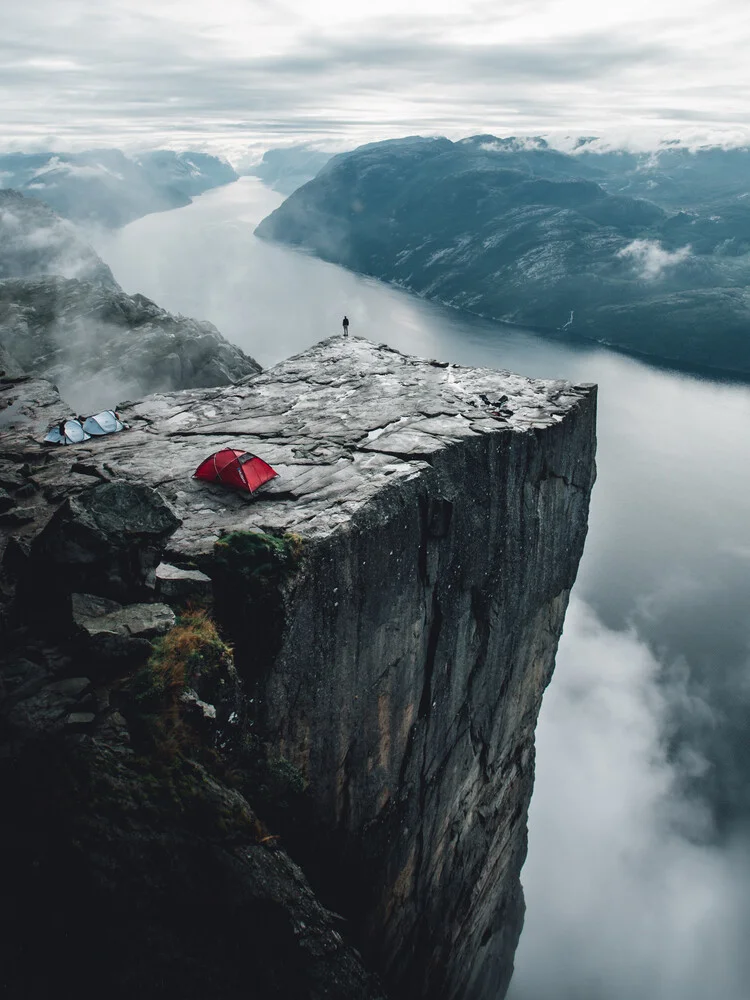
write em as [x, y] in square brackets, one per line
[443, 512]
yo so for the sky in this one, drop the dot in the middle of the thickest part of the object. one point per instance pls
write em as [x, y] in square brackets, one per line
[233, 75]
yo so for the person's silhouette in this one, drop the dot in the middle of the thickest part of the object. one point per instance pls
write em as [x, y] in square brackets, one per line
[345, 325]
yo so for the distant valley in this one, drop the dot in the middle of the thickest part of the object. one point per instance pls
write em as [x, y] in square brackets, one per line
[289, 167]
[646, 252]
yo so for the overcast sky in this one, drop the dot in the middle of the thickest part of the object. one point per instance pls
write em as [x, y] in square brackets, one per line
[231, 72]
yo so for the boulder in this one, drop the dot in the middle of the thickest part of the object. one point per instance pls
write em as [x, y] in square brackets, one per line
[108, 654]
[176, 584]
[143, 621]
[106, 540]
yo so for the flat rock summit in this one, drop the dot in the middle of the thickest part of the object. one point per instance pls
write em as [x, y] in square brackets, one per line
[341, 423]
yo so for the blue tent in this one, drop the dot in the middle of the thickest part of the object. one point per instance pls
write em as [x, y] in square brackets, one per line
[76, 430]
[106, 422]
[67, 432]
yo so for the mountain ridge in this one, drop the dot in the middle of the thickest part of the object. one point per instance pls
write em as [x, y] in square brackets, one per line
[519, 236]
[107, 187]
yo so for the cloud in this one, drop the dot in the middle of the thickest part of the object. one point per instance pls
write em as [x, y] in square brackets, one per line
[130, 71]
[628, 892]
[651, 259]
[57, 166]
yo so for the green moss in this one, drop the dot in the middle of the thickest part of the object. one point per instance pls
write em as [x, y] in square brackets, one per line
[272, 783]
[249, 572]
[254, 560]
[285, 781]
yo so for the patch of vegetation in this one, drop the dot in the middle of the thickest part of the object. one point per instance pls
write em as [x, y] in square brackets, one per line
[249, 571]
[176, 771]
[254, 559]
[190, 655]
[184, 766]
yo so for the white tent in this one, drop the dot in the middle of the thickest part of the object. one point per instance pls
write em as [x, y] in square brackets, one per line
[106, 422]
[67, 432]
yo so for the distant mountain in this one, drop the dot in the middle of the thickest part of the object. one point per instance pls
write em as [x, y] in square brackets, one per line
[517, 231]
[63, 315]
[287, 168]
[106, 187]
[672, 176]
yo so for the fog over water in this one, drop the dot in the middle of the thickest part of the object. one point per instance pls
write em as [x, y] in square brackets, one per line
[638, 876]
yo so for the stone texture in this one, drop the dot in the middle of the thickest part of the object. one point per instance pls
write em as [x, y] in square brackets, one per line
[180, 881]
[443, 513]
[44, 712]
[107, 539]
[176, 584]
[143, 621]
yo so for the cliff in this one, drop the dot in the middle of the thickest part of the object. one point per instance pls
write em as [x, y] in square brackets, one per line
[100, 345]
[394, 612]
[63, 316]
[35, 241]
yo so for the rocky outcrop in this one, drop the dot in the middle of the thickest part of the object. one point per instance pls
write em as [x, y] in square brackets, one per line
[93, 340]
[126, 766]
[394, 600]
[63, 315]
[144, 874]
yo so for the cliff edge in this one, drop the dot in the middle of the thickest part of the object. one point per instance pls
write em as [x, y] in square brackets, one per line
[437, 514]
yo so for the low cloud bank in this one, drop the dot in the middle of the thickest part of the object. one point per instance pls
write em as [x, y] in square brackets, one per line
[629, 896]
[651, 259]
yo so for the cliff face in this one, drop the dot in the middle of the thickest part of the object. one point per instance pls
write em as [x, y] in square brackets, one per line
[399, 667]
[408, 686]
[35, 241]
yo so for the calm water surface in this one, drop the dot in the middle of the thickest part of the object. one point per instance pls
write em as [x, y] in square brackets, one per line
[638, 878]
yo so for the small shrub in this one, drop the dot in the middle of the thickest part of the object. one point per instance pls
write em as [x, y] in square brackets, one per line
[254, 559]
[189, 652]
[285, 781]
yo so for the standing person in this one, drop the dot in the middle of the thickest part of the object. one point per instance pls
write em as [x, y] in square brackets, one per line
[345, 325]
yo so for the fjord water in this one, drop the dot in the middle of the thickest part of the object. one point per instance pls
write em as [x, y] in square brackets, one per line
[638, 876]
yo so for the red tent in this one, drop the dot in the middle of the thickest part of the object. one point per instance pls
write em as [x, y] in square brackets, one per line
[238, 469]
